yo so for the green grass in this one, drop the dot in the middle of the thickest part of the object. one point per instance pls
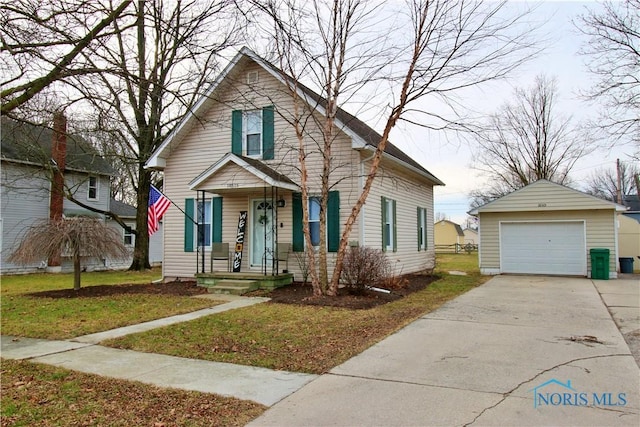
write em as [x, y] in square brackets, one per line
[35, 394]
[61, 318]
[23, 283]
[299, 338]
[458, 262]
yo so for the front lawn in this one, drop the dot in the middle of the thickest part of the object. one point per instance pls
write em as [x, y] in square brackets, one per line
[54, 311]
[299, 338]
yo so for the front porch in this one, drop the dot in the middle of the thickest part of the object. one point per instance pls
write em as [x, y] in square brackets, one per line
[220, 282]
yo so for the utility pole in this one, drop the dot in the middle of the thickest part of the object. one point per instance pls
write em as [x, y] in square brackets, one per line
[619, 186]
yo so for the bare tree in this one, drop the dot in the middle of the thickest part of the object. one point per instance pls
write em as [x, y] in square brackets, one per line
[339, 46]
[41, 43]
[613, 57]
[603, 183]
[81, 237]
[527, 140]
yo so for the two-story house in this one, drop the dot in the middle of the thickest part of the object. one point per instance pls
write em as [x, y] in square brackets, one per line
[236, 155]
[29, 158]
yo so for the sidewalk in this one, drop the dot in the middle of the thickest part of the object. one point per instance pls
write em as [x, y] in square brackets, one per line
[261, 385]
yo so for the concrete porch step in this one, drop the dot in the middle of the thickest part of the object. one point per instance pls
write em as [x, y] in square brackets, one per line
[234, 287]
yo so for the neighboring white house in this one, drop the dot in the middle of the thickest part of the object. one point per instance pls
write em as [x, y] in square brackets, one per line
[238, 153]
[26, 188]
[128, 214]
[546, 228]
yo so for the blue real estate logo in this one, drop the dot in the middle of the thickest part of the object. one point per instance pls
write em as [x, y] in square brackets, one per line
[557, 393]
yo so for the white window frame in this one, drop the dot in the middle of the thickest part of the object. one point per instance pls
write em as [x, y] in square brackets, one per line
[207, 221]
[95, 187]
[422, 231]
[130, 235]
[313, 199]
[245, 132]
[390, 220]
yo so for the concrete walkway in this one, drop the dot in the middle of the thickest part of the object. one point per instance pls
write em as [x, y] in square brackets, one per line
[518, 350]
[261, 385]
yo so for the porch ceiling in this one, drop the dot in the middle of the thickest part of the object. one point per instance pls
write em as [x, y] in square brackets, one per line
[233, 173]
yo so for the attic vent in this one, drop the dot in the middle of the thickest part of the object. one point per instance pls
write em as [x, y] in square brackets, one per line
[252, 77]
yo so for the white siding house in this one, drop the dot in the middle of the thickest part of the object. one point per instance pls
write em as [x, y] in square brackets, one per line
[238, 153]
[25, 188]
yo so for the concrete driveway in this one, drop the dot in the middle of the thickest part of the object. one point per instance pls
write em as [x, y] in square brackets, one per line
[519, 350]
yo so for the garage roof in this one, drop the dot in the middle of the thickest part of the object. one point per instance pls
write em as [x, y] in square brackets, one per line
[546, 196]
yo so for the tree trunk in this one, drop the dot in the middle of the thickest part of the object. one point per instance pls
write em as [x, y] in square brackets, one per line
[141, 250]
[77, 269]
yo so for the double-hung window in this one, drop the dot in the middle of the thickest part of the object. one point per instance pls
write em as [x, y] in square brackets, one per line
[422, 229]
[314, 220]
[252, 133]
[204, 223]
[389, 236]
[252, 126]
[92, 188]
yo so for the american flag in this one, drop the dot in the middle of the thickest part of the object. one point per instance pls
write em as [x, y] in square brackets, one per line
[158, 205]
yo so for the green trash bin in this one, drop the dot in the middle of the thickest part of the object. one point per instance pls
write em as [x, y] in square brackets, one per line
[599, 263]
[626, 264]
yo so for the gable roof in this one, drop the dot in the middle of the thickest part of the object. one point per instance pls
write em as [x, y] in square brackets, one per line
[31, 144]
[362, 135]
[456, 226]
[252, 166]
[543, 195]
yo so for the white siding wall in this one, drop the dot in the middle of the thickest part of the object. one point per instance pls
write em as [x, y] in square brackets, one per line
[409, 194]
[600, 232]
[25, 201]
[24, 192]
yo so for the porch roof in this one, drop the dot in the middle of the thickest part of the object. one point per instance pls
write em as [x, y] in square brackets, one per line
[234, 172]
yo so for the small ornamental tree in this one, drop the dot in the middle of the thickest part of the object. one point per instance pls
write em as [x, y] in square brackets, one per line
[80, 236]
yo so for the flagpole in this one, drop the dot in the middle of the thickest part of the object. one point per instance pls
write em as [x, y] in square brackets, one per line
[174, 204]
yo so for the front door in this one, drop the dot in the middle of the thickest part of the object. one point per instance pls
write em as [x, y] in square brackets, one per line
[262, 246]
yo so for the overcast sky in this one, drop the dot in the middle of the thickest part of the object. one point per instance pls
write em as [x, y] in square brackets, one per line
[450, 160]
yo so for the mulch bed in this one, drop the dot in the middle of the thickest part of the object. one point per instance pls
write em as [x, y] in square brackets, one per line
[177, 288]
[296, 293]
[302, 294]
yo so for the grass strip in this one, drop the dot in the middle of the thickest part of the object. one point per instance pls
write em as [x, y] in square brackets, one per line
[35, 394]
[62, 318]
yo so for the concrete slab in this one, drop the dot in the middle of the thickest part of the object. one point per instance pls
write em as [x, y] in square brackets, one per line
[347, 401]
[153, 324]
[491, 346]
[260, 385]
[27, 348]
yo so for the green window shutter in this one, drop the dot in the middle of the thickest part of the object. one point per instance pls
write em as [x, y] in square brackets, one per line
[236, 132]
[267, 133]
[298, 234]
[383, 216]
[419, 210]
[395, 229]
[189, 208]
[333, 221]
[216, 220]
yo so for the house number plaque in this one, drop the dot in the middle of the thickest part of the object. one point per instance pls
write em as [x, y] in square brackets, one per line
[237, 256]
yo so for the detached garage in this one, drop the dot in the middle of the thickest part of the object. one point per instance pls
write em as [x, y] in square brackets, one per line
[546, 228]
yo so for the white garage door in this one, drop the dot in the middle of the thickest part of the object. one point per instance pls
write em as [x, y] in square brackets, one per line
[543, 248]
